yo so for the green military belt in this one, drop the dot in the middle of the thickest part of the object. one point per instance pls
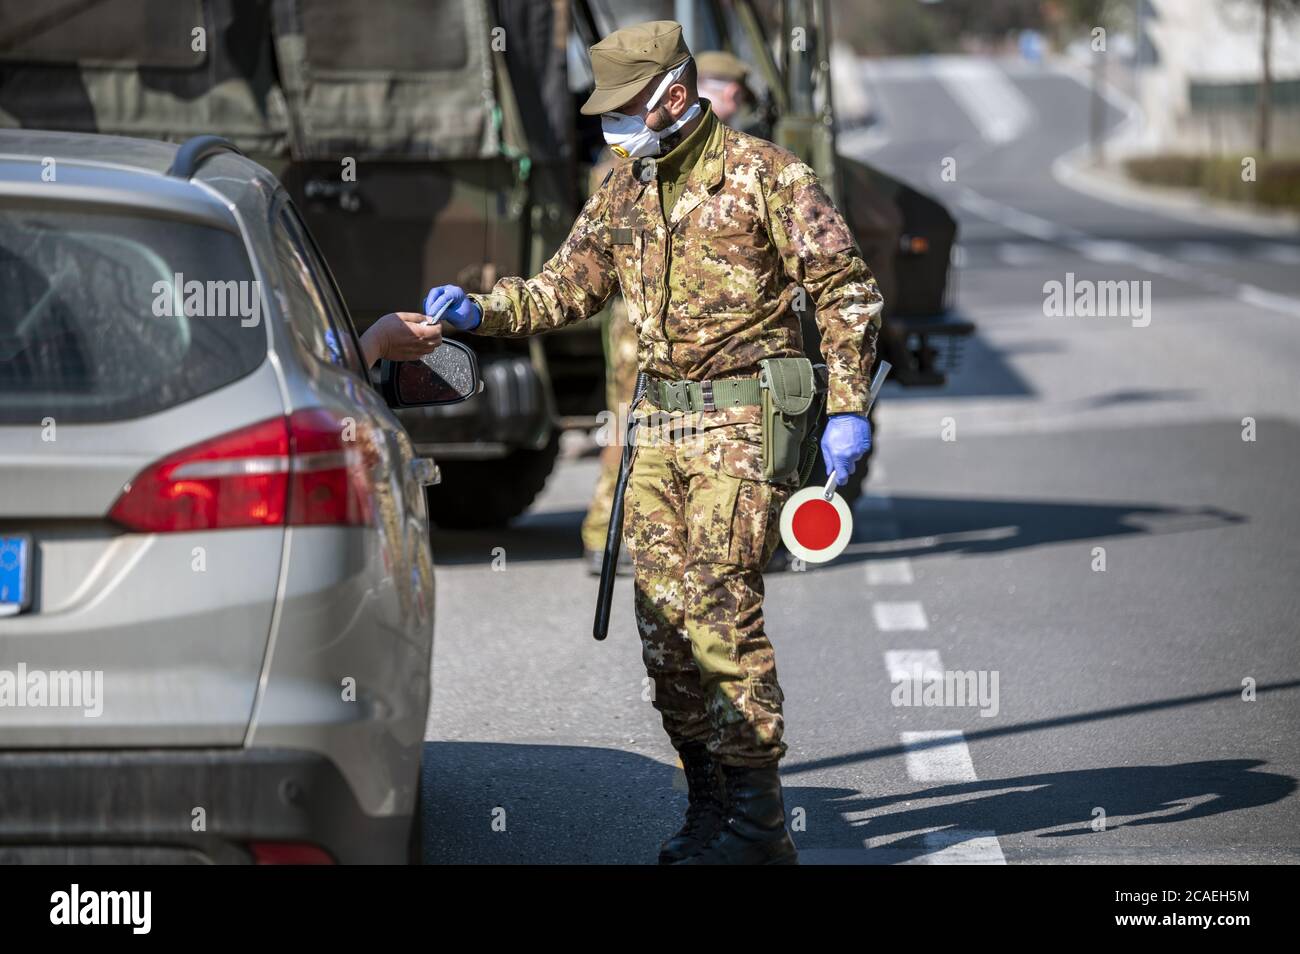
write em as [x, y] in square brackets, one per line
[703, 395]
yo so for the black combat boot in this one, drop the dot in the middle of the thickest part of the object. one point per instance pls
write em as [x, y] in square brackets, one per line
[754, 831]
[704, 813]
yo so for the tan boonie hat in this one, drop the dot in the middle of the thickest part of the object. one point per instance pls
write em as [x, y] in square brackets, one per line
[719, 64]
[626, 60]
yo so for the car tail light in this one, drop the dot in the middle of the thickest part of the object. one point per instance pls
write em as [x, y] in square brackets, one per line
[298, 470]
[288, 853]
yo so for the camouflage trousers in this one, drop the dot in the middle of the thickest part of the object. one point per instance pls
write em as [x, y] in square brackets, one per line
[701, 524]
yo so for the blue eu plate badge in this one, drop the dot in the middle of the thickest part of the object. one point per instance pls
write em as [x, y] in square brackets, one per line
[15, 574]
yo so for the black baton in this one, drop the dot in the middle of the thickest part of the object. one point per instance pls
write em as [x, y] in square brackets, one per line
[614, 535]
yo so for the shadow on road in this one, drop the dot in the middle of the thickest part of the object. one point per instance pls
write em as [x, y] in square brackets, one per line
[545, 535]
[921, 526]
[914, 526]
[558, 803]
[1054, 722]
[1055, 805]
[499, 803]
[982, 371]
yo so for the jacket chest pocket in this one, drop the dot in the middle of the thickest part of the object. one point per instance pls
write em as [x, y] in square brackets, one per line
[625, 242]
[653, 264]
[728, 260]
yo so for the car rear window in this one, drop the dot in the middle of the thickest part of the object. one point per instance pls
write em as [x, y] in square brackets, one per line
[106, 316]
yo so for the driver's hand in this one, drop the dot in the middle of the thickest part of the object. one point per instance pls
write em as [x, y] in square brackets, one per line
[400, 336]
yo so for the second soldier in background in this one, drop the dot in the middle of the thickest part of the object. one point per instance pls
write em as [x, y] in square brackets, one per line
[710, 234]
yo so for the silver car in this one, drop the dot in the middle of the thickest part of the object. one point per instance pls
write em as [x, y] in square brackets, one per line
[216, 587]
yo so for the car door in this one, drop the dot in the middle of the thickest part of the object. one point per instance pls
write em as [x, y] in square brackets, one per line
[348, 670]
[399, 482]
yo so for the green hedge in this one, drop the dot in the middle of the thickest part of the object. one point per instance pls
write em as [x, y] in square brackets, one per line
[1277, 180]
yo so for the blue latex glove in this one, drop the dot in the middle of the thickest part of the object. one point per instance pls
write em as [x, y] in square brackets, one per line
[462, 312]
[846, 438]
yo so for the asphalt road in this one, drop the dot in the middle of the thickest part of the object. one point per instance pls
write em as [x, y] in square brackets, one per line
[1118, 731]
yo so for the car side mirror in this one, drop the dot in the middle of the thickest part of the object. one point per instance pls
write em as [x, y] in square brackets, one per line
[448, 375]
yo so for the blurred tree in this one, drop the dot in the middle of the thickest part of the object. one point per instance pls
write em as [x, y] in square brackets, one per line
[1261, 15]
[1268, 9]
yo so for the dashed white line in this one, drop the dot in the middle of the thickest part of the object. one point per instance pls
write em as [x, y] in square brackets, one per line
[906, 663]
[889, 572]
[939, 756]
[1125, 253]
[1018, 254]
[1262, 298]
[893, 617]
[1015, 219]
[952, 847]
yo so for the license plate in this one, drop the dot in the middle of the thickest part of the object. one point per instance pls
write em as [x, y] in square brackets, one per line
[15, 574]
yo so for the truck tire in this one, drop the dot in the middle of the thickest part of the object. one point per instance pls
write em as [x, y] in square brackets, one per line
[483, 494]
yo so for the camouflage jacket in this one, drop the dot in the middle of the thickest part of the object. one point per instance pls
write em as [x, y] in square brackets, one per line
[752, 226]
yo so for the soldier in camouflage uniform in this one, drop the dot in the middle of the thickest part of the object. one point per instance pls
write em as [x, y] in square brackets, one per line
[709, 245]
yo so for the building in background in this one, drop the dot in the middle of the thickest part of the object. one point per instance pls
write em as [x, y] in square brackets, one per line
[1198, 73]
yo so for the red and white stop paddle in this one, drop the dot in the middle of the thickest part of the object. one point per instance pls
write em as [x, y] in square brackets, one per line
[816, 523]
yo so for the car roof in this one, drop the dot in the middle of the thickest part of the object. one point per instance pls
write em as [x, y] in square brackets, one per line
[121, 171]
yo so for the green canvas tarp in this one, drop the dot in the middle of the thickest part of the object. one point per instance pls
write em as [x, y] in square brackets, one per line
[307, 79]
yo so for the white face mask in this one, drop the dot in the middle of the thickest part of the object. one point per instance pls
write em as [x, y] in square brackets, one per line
[630, 137]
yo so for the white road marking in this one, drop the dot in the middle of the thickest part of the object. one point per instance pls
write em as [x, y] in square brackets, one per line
[889, 572]
[1017, 254]
[1014, 219]
[963, 848]
[995, 105]
[902, 663]
[1262, 298]
[939, 756]
[893, 617]
[1126, 253]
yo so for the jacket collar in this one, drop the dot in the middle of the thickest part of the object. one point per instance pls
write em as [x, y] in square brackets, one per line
[706, 176]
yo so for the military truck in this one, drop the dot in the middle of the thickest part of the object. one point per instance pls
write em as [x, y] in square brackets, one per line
[432, 141]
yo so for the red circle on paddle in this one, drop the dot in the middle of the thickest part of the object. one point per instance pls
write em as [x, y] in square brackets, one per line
[813, 528]
[816, 524]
